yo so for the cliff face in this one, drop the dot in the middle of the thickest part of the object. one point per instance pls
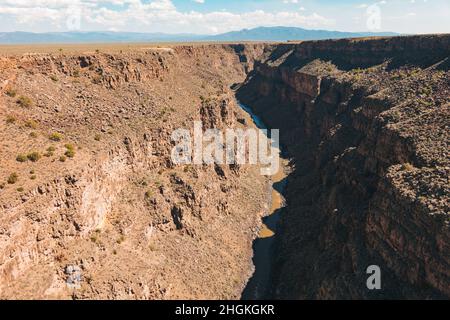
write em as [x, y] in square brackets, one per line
[366, 124]
[100, 211]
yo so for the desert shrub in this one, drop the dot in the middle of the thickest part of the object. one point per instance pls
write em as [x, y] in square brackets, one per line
[34, 156]
[2, 185]
[148, 194]
[62, 158]
[11, 93]
[55, 136]
[21, 158]
[24, 102]
[13, 178]
[33, 177]
[33, 134]
[97, 137]
[407, 167]
[54, 78]
[70, 152]
[76, 73]
[50, 152]
[20, 189]
[97, 79]
[32, 124]
[10, 119]
[120, 239]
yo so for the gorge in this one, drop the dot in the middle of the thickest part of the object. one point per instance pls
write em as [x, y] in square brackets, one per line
[364, 128]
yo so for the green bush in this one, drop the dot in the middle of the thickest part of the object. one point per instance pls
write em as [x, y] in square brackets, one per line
[55, 136]
[70, 152]
[34, 156]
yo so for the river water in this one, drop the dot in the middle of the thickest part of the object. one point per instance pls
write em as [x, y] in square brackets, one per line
[259, 284]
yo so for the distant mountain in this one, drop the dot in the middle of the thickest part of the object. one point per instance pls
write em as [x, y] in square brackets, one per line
[290, 33]
[257, 34]
[92, 37]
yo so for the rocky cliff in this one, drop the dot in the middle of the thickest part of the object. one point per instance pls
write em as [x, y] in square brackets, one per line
[91, 205]
[366, 124]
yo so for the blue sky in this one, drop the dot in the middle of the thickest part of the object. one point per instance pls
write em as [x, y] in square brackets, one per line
[217, 16]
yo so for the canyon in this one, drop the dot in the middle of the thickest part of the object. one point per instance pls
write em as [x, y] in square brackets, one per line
[92, 207]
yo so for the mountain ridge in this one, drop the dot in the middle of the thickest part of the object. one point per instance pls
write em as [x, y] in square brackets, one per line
[255, 34]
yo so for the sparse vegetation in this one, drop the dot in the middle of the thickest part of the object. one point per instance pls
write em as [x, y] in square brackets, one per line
[10, 119]
[120, 239]
[97, 137]
[33, 177]
[24, 102]
[20, 189]
[55, 137]
[13, 178]
[33, 134]
[2, 186]
[76, 73]
[11, 93]
[34, 156]
[148, 194]
[62, 159]
[32, 124]
[407, 167]
[21, 158]
[70, 152]
[54, 78]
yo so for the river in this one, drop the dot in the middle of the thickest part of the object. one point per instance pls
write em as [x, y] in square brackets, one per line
[258, 285]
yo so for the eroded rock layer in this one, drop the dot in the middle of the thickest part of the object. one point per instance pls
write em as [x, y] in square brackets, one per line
[91, 205]
[366, 123]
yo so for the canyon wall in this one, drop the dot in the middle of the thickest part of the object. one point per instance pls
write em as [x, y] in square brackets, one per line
[91, 205]
[365, 122]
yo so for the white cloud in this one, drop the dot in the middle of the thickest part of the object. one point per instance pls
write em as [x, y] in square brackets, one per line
[153, 16]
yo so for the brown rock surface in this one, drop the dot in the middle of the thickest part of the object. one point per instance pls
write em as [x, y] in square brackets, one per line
[116, 219]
